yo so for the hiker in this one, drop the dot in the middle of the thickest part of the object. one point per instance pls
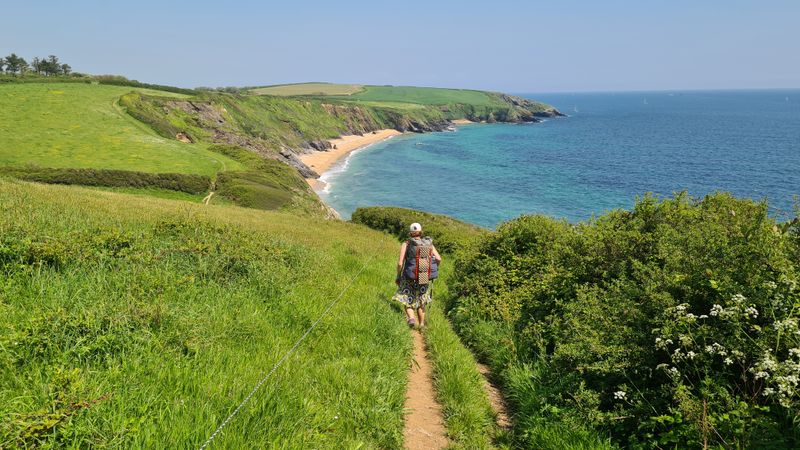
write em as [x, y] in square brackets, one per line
[417, 267]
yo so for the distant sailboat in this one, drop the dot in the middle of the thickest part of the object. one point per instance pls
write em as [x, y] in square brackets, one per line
[787, 99]
[575, 108]
[645, 101]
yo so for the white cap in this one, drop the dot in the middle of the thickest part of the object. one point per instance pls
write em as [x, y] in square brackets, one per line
[415, 227]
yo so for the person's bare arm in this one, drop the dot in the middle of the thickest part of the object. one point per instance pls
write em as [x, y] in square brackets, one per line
[436, 255]
[402, 258]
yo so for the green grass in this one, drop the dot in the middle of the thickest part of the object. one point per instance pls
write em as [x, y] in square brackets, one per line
[424, 95]
[160, 193]
[78, 125]
[266, 184]
[393, 105]
[136, 322]
[308, 89]
[468, 415]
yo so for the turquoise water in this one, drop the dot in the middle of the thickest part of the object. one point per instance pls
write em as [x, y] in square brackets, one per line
[613, 148]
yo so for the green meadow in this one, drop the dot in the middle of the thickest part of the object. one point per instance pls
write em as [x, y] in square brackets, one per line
[308, 89]
[142, 322]
[424, 95]
[80, 125]
[385, 96]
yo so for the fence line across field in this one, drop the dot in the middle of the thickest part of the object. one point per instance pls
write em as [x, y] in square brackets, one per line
[281, 361]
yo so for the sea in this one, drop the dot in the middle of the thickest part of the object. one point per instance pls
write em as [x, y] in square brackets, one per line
[610, 149]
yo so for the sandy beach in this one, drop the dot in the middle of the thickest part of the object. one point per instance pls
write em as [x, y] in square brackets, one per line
[323, 161]
[462, 121]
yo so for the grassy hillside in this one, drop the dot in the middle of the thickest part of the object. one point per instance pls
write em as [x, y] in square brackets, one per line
[78, 125]
[308, 89]
[425, 95]
[142, 322]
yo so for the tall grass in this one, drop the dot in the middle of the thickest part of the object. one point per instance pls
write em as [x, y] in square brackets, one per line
[138, 322]
[76, 125]
[468, 414]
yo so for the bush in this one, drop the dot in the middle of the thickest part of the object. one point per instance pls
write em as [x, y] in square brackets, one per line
[189, 183]
[268, 184]
[150, 111]
[449, 234]
[118, 80]
[673, 324]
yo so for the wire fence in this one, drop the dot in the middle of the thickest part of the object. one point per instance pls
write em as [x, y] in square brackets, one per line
[282, 360]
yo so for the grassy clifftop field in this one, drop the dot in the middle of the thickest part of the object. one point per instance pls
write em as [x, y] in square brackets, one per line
[137, 322]
[242, 145]
[81, 125]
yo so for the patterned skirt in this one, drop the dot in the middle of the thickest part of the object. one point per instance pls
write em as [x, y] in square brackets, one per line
[413, 295]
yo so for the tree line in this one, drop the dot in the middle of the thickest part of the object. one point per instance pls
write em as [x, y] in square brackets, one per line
[17, 65]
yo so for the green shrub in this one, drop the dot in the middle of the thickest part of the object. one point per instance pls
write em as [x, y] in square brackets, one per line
[449, 234]
[673, 324]
[189, 183]
[117, 80]
[268, 184]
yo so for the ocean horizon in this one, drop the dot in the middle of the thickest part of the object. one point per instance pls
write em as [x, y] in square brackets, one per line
[612, 148]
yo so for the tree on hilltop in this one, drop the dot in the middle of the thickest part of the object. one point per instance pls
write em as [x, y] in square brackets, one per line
[52, 66]
[36, 64]
[15, 64]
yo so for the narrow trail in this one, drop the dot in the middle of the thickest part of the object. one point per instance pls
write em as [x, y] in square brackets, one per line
[424, 427]
[495, 398]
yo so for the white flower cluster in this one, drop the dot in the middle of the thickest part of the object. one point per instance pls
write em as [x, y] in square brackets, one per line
[681, 312]
[784, 375]
[787, 389]
[734, 310]
[788, 326]
[620, 395]
[727, 336]
[663, 343]
[717, 349]
[671, 371]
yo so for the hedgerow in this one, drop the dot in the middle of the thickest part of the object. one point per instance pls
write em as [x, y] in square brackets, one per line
[190, 183]
[674, 324]
[449, 235]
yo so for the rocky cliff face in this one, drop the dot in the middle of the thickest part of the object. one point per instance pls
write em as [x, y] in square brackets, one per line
[528, 109]
[284, 128]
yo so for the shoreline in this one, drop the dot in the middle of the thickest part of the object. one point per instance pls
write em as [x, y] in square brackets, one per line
[323, 161]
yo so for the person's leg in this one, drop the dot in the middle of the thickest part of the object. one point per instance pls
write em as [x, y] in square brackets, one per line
[421, 314]
[409, 315]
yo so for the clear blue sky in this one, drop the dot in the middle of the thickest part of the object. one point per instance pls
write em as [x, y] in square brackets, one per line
[515, 46]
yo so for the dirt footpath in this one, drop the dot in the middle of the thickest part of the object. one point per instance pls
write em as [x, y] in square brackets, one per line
[424, 422]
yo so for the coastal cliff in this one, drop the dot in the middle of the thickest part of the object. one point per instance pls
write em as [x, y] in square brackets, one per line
[283, 128]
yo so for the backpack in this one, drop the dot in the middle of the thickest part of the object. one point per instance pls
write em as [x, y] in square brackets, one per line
[420, 265]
